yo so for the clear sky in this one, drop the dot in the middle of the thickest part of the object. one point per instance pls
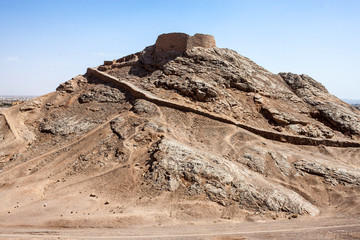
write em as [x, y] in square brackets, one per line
[44, 43]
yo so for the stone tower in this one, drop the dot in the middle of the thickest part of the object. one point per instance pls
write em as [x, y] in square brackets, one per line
[181, 42]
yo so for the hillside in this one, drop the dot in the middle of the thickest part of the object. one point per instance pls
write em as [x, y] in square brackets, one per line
[181, 131]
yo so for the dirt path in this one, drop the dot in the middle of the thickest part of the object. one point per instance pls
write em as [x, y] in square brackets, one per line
[313, 229]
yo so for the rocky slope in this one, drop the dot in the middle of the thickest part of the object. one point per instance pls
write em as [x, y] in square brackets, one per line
[181, 131]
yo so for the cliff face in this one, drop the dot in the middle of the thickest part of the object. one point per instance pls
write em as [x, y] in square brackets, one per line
[181, 130]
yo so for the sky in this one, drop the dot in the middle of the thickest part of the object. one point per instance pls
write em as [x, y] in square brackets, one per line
[44, 43]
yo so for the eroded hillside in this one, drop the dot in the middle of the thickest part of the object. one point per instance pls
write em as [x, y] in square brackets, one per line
[180, 131]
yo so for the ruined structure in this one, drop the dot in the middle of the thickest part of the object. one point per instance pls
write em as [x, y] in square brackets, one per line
[171, 44]
[181, 42]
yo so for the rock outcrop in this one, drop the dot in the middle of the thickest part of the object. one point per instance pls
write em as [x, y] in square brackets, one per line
[326, 108]
[334, 173]
[175, 165]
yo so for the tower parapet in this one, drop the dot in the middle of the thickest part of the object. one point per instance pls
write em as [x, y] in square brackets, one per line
[181, 42]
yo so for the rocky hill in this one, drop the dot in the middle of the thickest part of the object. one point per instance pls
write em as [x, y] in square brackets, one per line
[181, 131]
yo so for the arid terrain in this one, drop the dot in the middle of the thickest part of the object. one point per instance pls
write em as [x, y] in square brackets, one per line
[9, 101]
[181, 140]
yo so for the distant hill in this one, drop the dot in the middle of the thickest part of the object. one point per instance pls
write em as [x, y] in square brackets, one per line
[354, 103]
[351, 101]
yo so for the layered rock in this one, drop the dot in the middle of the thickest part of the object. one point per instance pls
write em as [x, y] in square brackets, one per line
[334, 173]
[176, 165]
[326, 108]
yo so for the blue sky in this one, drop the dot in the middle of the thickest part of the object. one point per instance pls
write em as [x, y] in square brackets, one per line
[44, 43]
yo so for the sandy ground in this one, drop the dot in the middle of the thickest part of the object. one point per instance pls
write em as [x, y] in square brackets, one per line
[308, 228]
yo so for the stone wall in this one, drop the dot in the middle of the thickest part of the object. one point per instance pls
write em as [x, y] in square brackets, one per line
[181, 42]
[201, 40]
[142, 94]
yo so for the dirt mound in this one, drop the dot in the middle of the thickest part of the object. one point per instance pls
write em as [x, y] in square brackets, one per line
[201, 135]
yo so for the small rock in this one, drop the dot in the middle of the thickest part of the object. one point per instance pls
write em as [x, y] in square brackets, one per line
[258, 98]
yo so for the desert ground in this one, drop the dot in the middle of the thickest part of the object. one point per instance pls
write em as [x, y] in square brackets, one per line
[319, 228]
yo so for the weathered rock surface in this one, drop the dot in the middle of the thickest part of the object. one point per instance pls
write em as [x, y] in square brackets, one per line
[65, 126]
[102, 93]
[197, 89]
[174, 165]
[334, 173]
[145, 108]
[31, 105]
[327, 108]
[72, 85]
